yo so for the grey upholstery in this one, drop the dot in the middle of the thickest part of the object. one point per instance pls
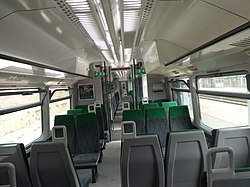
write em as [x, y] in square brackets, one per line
[88, 146]
[15, 154]
[51, 166]
[226, 177]
[69, 122]
[185, 158]
[179, 118]
[156, 122]
[239, 140]
[7, 171]
[142, 162]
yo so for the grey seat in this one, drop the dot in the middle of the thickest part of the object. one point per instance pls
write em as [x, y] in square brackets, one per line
[51, 166]
[185, 158]
[87, 148]
[142, 162]
[15, 154]
[226, 177]
[239, 140]
[7, 171]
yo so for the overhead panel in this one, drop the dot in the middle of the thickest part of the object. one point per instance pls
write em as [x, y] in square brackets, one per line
[189, 24]
[239, 7]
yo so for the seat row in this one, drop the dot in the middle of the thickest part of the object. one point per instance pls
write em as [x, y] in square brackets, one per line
[187, 157]
[50, 166]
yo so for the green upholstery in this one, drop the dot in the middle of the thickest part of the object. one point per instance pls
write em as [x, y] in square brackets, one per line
[149, 105]
[178, 111]
[166, 105]
[90, 118]
[160, 101]
[179, 118]
[130, 115]
[83, 107]
[137, 117]
[74, 112]
[156, 122]
[237, 170]
[153, 113]
[69, 122]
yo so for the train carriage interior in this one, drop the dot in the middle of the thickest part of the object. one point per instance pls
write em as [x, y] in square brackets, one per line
[131, 93]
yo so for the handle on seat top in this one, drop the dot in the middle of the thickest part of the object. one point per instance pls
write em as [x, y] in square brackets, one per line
[221, 173]
[98, 104]
[144, 100]
[128, 135]
[11, 172]
[125, 106]
[62, 138]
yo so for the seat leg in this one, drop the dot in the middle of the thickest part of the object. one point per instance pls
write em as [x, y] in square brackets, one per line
[94, 174]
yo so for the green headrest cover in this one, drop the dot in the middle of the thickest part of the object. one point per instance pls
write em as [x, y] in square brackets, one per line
[64, 120]
[166, 105]
[178, 111]
[74, 111]
[130, 115]
[89, 118]
[155, 113]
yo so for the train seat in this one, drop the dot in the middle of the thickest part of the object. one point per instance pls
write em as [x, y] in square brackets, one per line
[15, 154]
[87, 153]
[179, 118]
[160, 101]
[84, 108]
[69, 122]
[137, 117]
[239, 140]
[51, 166]
[156, 122]
[226, 177]
[149, 105]
[185, 158]
[100, 122]
[104, 114]
[74, 112]
[138, 170]
[8, 174]
[167, 105]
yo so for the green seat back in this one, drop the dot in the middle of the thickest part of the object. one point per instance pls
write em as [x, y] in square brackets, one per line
[160, 101]
[149, 105]
[166, 105]
[137, 117]
[74, 112]
[84, 108]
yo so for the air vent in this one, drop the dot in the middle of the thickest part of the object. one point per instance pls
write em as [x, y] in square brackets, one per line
[63, 6]
[145, 17]
[242, 43]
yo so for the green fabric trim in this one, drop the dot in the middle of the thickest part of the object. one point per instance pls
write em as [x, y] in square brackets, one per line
[155, 113]
[74, 111]
[237, 170]
[86, 118]
[130, 115]
[83, 107]
[64, 120]
[149, 105]
[178, 111]
[160, 101]
[166, 105]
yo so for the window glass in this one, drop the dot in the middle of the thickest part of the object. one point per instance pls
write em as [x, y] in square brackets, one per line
[221, 112]
[58, 108]
[233, 83]
[181, 84]
[184, 98]
[11, 101]
[23, 126]
[60, 94]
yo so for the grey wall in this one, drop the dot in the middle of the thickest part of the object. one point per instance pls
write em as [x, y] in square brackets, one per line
[97, 90]
[155, 79]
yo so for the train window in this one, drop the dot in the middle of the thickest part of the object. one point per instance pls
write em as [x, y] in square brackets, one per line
[20, 117]
[224, 101]
[181, 94]
[59, 104]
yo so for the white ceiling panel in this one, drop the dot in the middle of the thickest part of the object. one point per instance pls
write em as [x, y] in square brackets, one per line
[238, 7]
[45, 38]
[189, 24]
